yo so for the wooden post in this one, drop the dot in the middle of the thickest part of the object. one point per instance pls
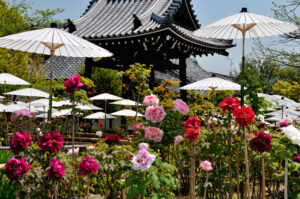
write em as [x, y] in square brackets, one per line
[286, 162]
[88, 67]
[182, 76]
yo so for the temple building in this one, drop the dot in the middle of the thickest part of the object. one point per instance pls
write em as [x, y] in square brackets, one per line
[157, 32]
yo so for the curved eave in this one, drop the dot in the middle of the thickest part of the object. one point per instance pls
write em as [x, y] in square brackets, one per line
[172, 31]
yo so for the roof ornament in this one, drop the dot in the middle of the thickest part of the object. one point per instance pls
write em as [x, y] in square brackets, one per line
[71, 26]
[169, 19]
[244, 10]
[53, 25]
[136, 22]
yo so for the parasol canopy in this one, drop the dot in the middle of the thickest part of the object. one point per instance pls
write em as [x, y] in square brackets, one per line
[212, 83]
[125, 102]
[42, 40]
[127, 113]
[88, 107]
[105, 96]
[99, 116]
[257, 25]
[28, 92]
[9, 79]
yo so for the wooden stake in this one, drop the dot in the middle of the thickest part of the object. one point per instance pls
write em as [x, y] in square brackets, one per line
[247, 184]
[263, 187]
[192, 173]
[286, 162]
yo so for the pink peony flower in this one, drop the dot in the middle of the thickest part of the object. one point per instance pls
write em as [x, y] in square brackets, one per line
[51, 142]
[19, 142]
[138, 128]
[155, 114]
[283, 122]
[154, 134]
[181, 107]
[15, 169]
[206, 165]
[57, 169]
[178, 139]
[76, 151]
[88, 165]
[143, 146]
[143, 160]
[151, 100]
[73, 83]
[23, 112]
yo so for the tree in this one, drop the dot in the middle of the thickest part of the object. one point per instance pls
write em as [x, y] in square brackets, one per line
[289, 90]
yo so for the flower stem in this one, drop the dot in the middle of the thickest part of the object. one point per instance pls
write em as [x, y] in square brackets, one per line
[205, 189]
[88, 189]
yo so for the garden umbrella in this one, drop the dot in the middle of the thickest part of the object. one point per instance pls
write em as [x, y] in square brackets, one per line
[63, 103]
[126, 113]
[212, 83]
[53, 41]
[9, 79]
[88, 107]
[1, 97]
[285, 112]
[245, 25]
[43, 103]
[99, 116]
[125, 102]
[105, 97]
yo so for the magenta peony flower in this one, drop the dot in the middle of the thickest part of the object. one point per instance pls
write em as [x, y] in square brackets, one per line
[88, 165]
[151, 100]
[19, 142]
[206, 165]
[143, 160]
[181, 107]
[23, 112]
[15, 169]
[143, 146]
[57, 169]
[178, 139]
[262, 142]
[154, 134]
[283, 122]
[51, 142]
[155, 114]
[297, 158]
[73, 83]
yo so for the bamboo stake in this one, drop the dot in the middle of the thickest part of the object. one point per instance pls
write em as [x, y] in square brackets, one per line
[263, 177]
[55, 189]
[286, 162]
[247, 187]
[192, 173]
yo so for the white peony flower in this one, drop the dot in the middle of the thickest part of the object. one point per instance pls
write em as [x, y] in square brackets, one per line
[99, 134]
[292, 133]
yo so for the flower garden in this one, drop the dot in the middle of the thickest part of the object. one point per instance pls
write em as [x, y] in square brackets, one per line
[208, 147]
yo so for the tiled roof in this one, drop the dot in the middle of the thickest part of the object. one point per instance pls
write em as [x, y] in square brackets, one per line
[63, 67]
[106, 19]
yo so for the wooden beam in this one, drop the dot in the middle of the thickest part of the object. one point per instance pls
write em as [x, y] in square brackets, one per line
[183, 77]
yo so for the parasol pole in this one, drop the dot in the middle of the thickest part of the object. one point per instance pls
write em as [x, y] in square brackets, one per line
[52, 47]
[105, 116]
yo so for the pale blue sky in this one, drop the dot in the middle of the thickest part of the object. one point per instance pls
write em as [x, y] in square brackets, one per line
[207, 11]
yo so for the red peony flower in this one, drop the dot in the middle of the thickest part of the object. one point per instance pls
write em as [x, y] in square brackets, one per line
[51, 142]
[192, 123]
[110, 139]
[15, 169]
[19, 142]
[57, 169]
[100, 124]
[88, 165]
[262, 142]
[229, 103]
[73, 83]
[192, 134]
[244, 115]
[297, 158]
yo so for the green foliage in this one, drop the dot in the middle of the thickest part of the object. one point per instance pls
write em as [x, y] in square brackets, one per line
[7, 189]
[107, 81]
[286, 89]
